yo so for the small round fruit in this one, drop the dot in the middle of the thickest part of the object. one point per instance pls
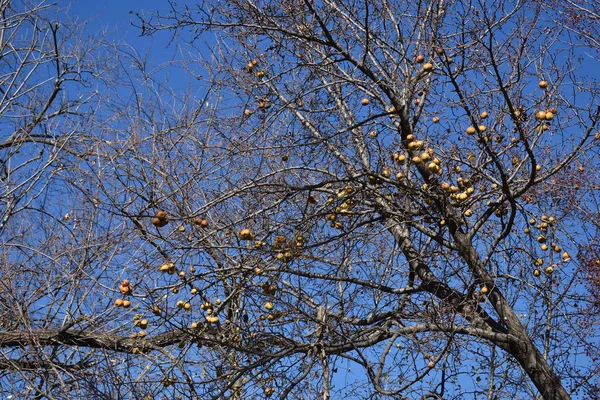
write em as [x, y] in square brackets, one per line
[246, 234]
[482, 128]
[541, 239]
[420, 59]
[125, 289]
[549, 116]
[471, 130]
[436, 120]
[428, 67]
[157, 222]
[364, 102]
[536, 273]
[431, 364]
[268, 305]
[161, 214]
[468, 213]
[126, 303]
[484, 115]
[484, 290]
[119, 303]
[543, 84]
[550, 269]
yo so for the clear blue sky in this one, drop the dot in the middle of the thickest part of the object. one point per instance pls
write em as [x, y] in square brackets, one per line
[115, 17]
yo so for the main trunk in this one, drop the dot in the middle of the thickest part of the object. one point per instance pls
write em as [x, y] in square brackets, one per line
[538, 370]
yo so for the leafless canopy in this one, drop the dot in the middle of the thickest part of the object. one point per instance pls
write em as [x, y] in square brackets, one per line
[348, 199]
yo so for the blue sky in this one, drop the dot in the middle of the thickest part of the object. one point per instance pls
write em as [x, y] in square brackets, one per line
[115, 17]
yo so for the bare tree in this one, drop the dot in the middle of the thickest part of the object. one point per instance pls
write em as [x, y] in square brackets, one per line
[377, 199]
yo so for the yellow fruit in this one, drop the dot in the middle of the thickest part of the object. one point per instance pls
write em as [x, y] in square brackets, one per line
[420, 59]
[245, 234]
[549, 116]
[268, 305]
[364, 102]
[484, 290]
[119, 303]
[471, 130]
[436, 120]
[550, 269]
[484, 115]
[433, 168]
[417, 160]
[428, 67]
[468, 213]
[541, 239]
[536, 272]
[543, 84]
[482, 128]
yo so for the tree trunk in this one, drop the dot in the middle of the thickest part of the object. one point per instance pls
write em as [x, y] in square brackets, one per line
[538, 370]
